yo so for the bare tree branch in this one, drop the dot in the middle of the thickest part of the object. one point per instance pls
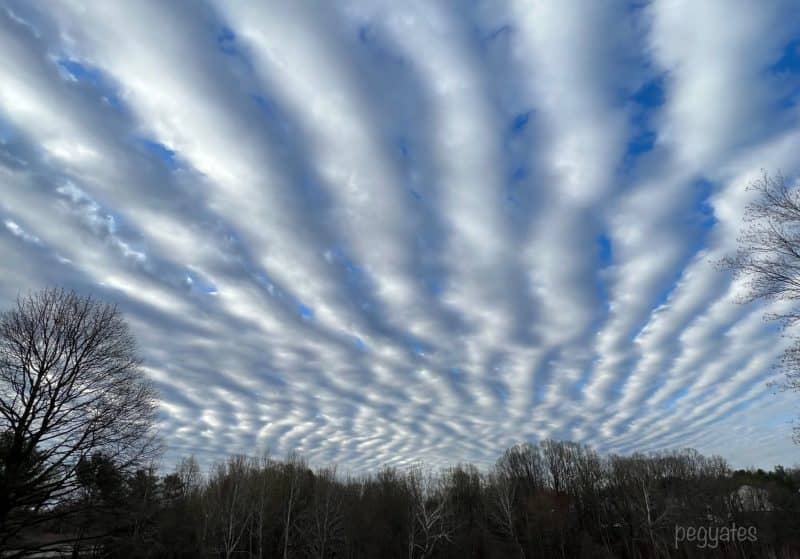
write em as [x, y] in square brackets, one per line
[768, 257]
[71, 387]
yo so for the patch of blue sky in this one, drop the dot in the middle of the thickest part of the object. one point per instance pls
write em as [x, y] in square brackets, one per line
[226, 40]
[197, 283]
[516, 149]
[605, 258]
[228, 44]
[90, 76]
[363, 33]
[641, 143]
[354, 271]
[787, 68]
[519, 174]
[646, 100]
[80, 71]
[360, 344]
[499, 390]
[789, 61]
[604, 250]
[520, 122]
[703, 212]
[377, 47]
[651, 94]
[7, 132]
[403, 147]
[434, 285]
[517, 146]
[265, 104]
[355, 274]
[306, 312]
[266, 282]
[160, 151]
[418, 347]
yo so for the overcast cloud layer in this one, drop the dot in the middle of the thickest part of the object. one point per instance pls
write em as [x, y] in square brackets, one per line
[378, 231]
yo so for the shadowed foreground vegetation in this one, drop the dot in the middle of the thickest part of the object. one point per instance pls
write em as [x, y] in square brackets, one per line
[555, 499]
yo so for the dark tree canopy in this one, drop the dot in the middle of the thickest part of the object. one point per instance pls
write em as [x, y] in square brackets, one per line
[768, 257]
[552, 499]
[71, 389]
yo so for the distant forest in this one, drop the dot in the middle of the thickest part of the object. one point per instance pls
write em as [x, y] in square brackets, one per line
[554, 499]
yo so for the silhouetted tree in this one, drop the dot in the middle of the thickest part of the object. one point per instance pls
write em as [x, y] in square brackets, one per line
[321, 524]
[71, 389]
[607, 507]
[430, 521]
[229, 505]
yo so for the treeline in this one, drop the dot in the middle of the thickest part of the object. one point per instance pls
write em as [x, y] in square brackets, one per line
[554, 499]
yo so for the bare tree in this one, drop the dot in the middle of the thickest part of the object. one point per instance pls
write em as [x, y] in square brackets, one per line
[71, 386]
[560, 458]
[523, 464]
[322, 525]
[262, 488]
[229, 504]
[768, 256]
[295, 469]
[429, 524]
[637, 483]
[501, 491]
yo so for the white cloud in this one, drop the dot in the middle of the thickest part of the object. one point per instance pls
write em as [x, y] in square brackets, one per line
[378, 232]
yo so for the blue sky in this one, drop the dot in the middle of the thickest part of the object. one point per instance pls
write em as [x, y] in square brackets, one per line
[381, 232]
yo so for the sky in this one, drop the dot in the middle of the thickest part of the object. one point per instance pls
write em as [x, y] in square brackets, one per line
[379, 232]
